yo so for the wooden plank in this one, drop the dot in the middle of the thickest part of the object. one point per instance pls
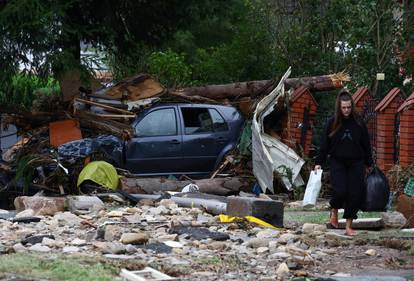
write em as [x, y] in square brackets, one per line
[111, 108]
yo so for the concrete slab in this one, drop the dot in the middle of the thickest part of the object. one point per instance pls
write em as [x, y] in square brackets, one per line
[270, 211]
[365, 223]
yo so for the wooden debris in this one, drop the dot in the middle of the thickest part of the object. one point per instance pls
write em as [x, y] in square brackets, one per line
[107, 107]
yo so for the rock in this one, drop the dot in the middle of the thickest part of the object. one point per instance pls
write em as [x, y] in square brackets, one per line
[199, 233]
[293, 250]
[25, 213]
[257, 243]
[36, 239]
[112, 232]
[134, 238]
[166, 237]
[44, 206]
[217, 245]
[282, 269]
[268, 233]
[146, 202]
[68, 218]
[84, 204]
[78, 242]
[262, 250]
[70, 249]
[394, 219]
[113, 248]
[280, 255]
[52, 243]
[405, 205]
[295, 205]
[39, 248]
[286, 238]
[160, 210]
[115, 214]
[19, 248]
[311, 228]
[167, 203]
[371, 252]
[173, 244]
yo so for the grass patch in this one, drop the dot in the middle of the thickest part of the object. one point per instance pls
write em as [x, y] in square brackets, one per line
[319, 217]
[57, 267]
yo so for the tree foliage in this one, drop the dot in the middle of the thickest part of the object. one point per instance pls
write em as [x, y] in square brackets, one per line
[187, 42]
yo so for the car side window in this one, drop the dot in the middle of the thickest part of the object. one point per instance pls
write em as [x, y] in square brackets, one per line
[219, 125]
[160, 122]
[196, 120]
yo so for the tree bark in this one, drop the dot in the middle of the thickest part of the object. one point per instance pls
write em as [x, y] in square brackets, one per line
[217, 186]
[254, 88]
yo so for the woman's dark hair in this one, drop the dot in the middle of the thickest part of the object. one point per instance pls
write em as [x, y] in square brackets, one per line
[343, 95]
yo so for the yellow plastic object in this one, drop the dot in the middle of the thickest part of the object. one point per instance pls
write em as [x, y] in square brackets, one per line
[226, 218]
[100, 172]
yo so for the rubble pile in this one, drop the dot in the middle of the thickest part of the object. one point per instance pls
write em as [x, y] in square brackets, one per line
[181, 242]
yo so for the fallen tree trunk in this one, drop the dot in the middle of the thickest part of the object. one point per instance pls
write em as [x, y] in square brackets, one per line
[254, 88]
[217, 186]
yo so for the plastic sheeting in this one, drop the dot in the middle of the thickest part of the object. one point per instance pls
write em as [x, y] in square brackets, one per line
[100, 172]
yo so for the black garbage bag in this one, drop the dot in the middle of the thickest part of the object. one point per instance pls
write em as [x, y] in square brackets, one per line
[377, 191]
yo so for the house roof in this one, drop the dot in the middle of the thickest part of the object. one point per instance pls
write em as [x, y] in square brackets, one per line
[388, 99]
[409, 101]
[359, 94]
[299, 92]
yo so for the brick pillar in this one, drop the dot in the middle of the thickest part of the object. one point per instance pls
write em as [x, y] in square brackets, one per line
[406, 149]
[301, 101]
[386, 112]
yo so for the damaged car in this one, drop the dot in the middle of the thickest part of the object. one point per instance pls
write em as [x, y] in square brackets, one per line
[182, 139]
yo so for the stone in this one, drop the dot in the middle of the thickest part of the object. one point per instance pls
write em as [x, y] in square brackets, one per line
[134, 238]
[25, 213]
[257, 243]
[67, 218]
[280, 255]
[286, 238]
[42, 206]
[394, 219]
[36, 239]
[112, 232]
[84, 204]
[173, 244]
[262, 250]
[78, 242]
[364, 223]
[199, 233]
[333, 235]
[113, 248]
[19, 248]
[40, 248]
[217, 245]
[115, 214]
[270, 211]
[282, 269]
[268, 233]
[405, 205]
[70, 249]
[371, 252]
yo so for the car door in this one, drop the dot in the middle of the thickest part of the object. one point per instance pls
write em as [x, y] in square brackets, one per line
[199, 143]
[221, 131]
[156, 145]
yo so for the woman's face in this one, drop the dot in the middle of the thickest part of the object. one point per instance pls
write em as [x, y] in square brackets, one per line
[346, 108]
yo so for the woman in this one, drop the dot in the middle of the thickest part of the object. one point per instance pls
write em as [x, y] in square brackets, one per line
[346, 141]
